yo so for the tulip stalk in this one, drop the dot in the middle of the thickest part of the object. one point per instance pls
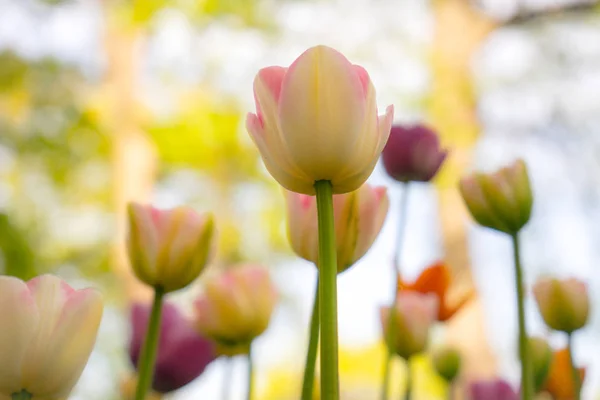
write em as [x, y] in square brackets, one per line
[250, 373]
[327, 291]
[22, 395]
[392, 317]
[311, 353]
[574, 372]
[526, 375]
[408, 390]
[148, 356]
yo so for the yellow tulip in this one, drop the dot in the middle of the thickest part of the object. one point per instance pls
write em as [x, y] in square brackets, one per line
[169, 248]
[317, 120]
[358, 218]
[49, 330]
[564, 304]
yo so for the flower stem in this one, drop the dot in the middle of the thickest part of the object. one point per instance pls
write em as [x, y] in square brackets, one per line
[392, 317]
[148, 356]
[250, 373]
[22, 395]
[526, 383]
[327, 292]
[408, 391]
[227, 374]
[311, 354]
[574, 372]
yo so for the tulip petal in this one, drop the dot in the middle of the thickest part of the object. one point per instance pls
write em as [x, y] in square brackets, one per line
[302, 225]
[20, 317]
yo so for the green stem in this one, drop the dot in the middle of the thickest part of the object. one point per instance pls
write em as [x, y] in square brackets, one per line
[526, 382]
[250, 373]
[22, 395]
[147, 359]
[313, 346]
[392, 317]
[574, 372]
[327, 292]
[451, 390]
[409, 385]
[227, 373]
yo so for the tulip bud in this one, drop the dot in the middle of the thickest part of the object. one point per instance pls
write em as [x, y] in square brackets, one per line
[168, 248]
[496, 389]
[182, 353]
[317, 120]
[414, 314]
[502, 200]
[560, 383]
[236, 307]
[564, 304]
[49, 330]
[446, 362]
[412, 153]
[540, 354]
[358, 218]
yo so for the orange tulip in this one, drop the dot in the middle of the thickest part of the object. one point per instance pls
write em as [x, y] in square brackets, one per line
[560, 381]
[436, 279]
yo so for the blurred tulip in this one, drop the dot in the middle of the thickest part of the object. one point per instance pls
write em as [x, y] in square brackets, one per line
[182, 353]
[496, 389]
[128, 387]
[502, 200]
[437, 280]
[413, 153]
[358, 218]
[446, 362]
[564, 304]
[414, 315]
[48, 332]
[541, 358]
[168, 248]
[317, 120]
[236, 307]
[560, 379]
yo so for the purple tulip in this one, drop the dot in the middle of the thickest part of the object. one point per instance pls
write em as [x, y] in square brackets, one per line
[413, 153]
[495, 389]
[183, 353]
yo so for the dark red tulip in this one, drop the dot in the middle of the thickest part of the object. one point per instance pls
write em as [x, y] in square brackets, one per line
[413, 153]
[183, 353]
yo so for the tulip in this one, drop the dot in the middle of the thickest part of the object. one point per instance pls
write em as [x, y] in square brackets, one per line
[560, 383]
[414, 314]
[497, 389]
[502, 200]
[183, 354]
[564, 304]
[447, 362]
[412, 153]
[128, 388]
[358, 218]
[317, 120]
[168, 249]
[49, 330]
[436, 279]
[236, 307]
[541, 357]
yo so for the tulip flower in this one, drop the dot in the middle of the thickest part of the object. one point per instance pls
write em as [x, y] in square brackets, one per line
[317, 120]
[541, 358]
[564, 304]
[128, 387]
[49, 330]
[412, 153]
[236, 307]
[414, 314]
[447, 362]
[183, 354]
[502, 200]
[358, 218]
[497, 389]
[168, 249]
[437, 280]
[560, 383]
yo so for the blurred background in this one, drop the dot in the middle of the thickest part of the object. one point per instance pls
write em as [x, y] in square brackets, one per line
[103, 102]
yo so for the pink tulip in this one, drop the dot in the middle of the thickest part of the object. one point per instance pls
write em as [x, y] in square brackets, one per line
[497, 389]
[48, 332]
[183, 354]
[412, 153]
[358, 218]
[317, 120]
